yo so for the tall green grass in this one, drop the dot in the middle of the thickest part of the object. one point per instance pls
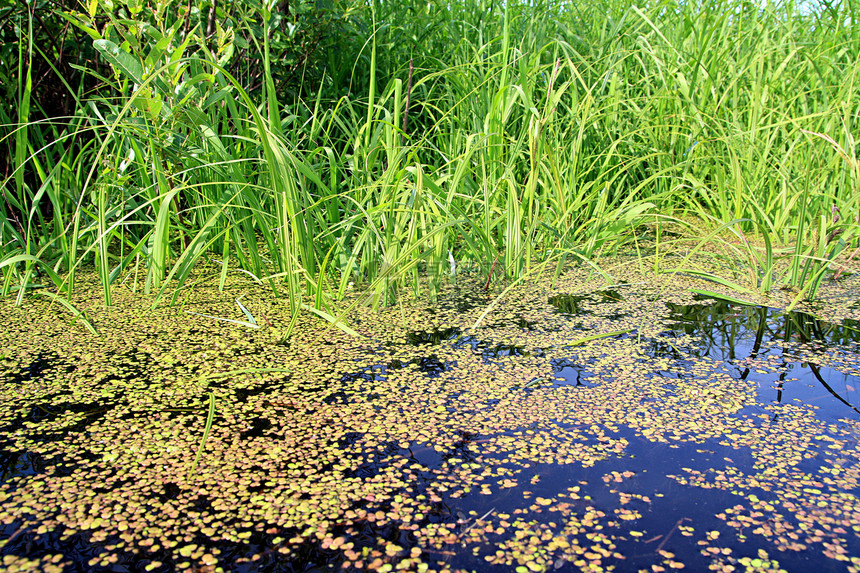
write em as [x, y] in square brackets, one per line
[534, 132]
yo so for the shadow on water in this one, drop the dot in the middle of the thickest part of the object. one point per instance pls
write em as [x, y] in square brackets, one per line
[19, 464]
[489, 350]
[760, 344]
[58, 421]
[578, 304]
[458, 340]
[432, 337]
[35, 370]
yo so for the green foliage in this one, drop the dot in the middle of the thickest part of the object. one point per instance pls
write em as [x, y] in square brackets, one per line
[317, 145]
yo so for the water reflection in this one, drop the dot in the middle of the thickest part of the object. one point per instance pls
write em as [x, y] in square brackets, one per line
[761, 344]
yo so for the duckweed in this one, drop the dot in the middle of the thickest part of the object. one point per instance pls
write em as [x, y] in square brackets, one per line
[708, 437]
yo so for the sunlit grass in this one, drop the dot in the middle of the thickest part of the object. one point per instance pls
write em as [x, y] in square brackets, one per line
[535, 134]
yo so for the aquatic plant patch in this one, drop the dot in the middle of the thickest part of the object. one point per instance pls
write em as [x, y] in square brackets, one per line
[170, 441]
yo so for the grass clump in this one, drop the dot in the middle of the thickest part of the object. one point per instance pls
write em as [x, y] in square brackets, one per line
[418, 138]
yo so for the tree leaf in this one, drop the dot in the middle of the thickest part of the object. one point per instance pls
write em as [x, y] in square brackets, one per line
[120, 59]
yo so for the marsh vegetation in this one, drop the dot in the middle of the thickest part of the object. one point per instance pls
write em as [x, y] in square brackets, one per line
[376, 143]
[425, 286]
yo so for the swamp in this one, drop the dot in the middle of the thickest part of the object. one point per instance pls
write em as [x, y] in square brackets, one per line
[580, 426]
[417, 285]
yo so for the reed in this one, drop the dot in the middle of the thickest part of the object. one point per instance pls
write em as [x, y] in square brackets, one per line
[499, 136]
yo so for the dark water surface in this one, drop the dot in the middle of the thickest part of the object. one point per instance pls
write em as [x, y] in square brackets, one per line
[764, 345]
[711, 436]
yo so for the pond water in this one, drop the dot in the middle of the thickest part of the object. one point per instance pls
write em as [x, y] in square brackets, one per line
[626, 428]
[756, 343]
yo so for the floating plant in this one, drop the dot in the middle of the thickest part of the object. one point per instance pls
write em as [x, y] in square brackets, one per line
[427, 446]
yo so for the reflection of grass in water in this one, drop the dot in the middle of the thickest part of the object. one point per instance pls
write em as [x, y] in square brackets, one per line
[735, 333]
